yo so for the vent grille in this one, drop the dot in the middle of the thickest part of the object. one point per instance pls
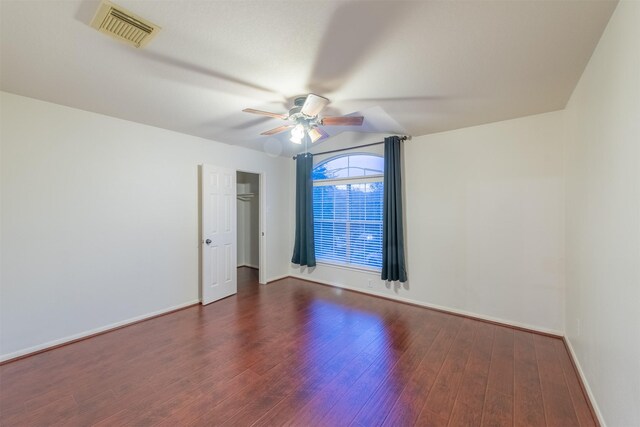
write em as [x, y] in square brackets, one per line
[123, 25]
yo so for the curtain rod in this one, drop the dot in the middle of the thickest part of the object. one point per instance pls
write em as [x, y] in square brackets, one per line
[402, 138]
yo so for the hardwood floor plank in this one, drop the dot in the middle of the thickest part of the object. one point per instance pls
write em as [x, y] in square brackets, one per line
[60, 409]
[331, 331]
[558, 405]
[208, 396]
[326, 364]
[429, 419]
[470, 400]
[497, 410]
[100, 407]
[377, 407]
[10, 410]
[410, 401]
[498, 404]
[528, 408]
[502, 359]
[299, 354]
[134, 407]
[442, 396]
[322, 377]
[345, 410]
[580, 403]
[323, 401]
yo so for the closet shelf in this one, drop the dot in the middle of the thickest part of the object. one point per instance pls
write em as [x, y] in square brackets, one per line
[245, 196]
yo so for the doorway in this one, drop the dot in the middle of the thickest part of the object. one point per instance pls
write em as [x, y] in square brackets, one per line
[248, 214]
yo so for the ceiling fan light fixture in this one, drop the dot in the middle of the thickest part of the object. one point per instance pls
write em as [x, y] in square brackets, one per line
[304, 120]
[297, 134]
[315, 134]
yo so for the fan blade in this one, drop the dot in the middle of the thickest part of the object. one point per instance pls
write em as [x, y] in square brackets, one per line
[277, 130]
[317, 134]
[313, 105]
[266, 113]
[343, 121]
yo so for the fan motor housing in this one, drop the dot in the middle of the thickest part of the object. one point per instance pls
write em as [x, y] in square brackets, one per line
[295, 110]
[296, 114]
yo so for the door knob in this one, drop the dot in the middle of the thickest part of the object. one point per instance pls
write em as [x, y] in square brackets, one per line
[208, 241]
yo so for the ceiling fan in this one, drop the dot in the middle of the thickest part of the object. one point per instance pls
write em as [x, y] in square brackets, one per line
[305, 119]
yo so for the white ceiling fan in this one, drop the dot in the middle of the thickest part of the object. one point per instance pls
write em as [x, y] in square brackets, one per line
[305, 119]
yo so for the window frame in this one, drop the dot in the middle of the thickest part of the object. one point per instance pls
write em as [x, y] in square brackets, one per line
[364, 179]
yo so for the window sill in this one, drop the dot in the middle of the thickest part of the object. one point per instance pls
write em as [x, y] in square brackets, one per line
[371, 271]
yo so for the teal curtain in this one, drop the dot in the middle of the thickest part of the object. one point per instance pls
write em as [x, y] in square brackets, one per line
[304, 252]
[393, 265]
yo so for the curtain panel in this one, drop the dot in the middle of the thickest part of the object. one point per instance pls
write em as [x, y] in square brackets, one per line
[304, 252]
[393, 259]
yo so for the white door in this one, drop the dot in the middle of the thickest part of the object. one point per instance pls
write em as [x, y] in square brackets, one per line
[219, 275]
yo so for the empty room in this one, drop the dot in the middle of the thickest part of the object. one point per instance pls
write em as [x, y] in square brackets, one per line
[320, 213]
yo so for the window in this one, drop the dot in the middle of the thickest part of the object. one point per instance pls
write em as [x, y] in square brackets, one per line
[347, 210]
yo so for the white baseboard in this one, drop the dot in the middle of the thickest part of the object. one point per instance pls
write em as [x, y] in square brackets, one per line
[276, 278]
[249, 265]
[590, 396]
[75, 337]
[437, 307]
[555, 332]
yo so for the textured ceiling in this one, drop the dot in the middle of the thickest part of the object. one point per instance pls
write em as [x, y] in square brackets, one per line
[409, 67]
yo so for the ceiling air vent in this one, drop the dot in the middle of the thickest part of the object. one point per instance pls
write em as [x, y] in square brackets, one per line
[123, 25]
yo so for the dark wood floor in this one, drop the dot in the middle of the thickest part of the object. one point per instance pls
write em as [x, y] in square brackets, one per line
[297, 353]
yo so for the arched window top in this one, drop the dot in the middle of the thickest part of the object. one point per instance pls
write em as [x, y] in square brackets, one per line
[349, 166]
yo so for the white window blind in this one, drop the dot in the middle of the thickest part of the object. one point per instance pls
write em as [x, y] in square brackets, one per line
[348, 221]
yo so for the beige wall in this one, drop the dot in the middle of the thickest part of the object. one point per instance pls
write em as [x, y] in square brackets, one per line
[485, 218]
[484, 223]
[603, 220]
[100, 220]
